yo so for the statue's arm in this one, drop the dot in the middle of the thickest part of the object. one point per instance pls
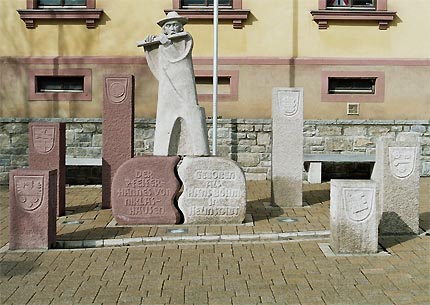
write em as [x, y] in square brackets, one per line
[152, 60]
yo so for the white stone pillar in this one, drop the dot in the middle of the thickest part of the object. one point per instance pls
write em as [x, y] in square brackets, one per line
[397, 171]
[287, 147]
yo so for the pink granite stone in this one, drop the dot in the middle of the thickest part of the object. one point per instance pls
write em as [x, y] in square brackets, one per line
[47, 150]
[118, 129]
[32, 209]
[144, 190]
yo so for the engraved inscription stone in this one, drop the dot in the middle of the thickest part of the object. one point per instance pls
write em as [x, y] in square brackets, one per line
[214, 191]
[353, 216]
[47, 150]
[287, 147]
[397, 171]
[118, 129]
[144, 189]
[32, 208]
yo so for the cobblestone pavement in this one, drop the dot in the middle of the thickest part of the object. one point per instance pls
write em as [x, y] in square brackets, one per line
[276, 257]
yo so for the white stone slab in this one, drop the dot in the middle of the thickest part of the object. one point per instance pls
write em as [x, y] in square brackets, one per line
[397, 171]
[314, 172]
[287, 147]
[353, 216]
[214, 191]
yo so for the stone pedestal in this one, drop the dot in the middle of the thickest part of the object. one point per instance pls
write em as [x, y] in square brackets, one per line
[214, 191]
[144, 190]
[32, 209]
[118, 129]
[397, 171]
[287, 147]
[353, 216]
[47, 151]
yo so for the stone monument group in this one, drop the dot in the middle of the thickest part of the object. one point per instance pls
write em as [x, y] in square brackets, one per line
[147, 190]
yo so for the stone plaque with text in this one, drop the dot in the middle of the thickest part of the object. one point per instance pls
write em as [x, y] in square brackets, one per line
[144, 190]
[214, 191]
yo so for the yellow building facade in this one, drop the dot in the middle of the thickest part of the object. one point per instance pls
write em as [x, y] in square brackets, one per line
[356, 63]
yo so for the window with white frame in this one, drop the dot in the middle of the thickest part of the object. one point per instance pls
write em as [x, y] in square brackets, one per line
[61, 3]
[205, 3]
[358, 4]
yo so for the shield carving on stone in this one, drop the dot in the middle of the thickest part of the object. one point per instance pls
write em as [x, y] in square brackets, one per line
[116, 88]
[402, 161]
[358, 203]
[289, 102]
[29, 191]
[43, 138]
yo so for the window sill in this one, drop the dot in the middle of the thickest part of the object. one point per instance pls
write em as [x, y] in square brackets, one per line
[91, 16]
[236, 15]
[322, 17]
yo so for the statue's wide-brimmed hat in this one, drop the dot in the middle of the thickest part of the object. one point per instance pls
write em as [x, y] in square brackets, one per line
[173, 16]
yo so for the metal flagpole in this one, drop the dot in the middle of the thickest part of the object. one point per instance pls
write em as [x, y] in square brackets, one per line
[215, 82]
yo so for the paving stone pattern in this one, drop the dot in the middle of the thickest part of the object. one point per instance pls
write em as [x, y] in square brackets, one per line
[265, 271]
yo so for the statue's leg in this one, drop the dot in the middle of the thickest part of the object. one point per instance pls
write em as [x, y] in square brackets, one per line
[163, 129]
[196, 121]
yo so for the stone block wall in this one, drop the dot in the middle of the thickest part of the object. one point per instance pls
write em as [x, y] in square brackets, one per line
[247, 141]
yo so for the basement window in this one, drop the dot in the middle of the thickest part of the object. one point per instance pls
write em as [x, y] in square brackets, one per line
[228, 85]
[351, 85]
[59, 84]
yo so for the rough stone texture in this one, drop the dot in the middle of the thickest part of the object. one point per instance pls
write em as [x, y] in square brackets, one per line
[287, 147]
[12, 157]
[144, 190]
[118, 128]
[214, 191]
[397, 171]
[32, 209]
[353, 216]
[47, 150]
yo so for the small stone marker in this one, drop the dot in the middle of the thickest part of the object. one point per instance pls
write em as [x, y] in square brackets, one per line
[214, 191]
[144, 189]
[287, 147]
[32, 209]
[353, 216]
[47, 150]
[118, 129]
[397, 170]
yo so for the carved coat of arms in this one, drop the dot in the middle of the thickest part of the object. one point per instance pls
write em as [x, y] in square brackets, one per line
[29, 191]
[289, 102]
[43, 138]
[402, 161]
[116, 89]
[358, 203]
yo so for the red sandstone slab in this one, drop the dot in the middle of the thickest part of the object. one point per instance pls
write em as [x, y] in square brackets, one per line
[118, 129]
[144, 190]
[47, 151]
[32, 209]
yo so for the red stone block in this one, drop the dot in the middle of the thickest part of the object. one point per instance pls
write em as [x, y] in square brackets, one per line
[32, 209]
[47, 150]
[118, 129]
[144, 190]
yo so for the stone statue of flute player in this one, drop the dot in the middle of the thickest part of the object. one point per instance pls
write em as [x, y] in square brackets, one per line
[180, 124]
